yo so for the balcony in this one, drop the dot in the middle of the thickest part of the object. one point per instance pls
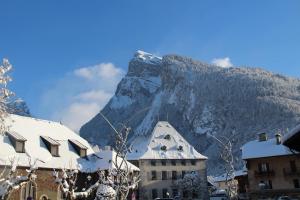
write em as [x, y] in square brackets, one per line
[291, 172]
[267, 173]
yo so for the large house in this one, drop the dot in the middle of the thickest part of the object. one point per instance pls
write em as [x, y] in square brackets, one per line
[273, 169]
[164, 158]
[51, 146]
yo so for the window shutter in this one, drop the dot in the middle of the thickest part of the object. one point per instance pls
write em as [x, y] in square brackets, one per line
[259, 167]
[149, 178]
[159, 175]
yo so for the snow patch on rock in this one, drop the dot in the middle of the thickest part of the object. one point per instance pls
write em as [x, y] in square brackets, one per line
[147, 57]
[120, 102]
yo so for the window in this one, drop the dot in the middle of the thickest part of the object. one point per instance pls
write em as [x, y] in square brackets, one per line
[174, 175]
[175, 192]
[296, 183]
[270, 184]
[185, 194]
[153, 175]
[167, 137]
[163, 162]
[154, 193]
[164, 175]
[52, 145]
[44, 197]
[182, 174]
[163, 148]
[263, 167]
[173, 162]
[193, 162]
[153, 162]
[28, 191]
[165, 193]
[293, 165]
[265, 184]
[79, 148]
[17, 141]
[183, 162]
[195, 194]
[54, 151]
[180, 148]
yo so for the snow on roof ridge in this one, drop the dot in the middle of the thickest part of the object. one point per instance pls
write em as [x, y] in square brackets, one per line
[37, 119]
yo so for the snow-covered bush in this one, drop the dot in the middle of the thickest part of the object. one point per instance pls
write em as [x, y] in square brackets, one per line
[194, 183]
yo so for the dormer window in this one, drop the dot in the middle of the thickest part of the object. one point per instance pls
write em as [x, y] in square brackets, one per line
[180, 148]
[79, 148]
[17, 141]
[163, 148]
[52, 145]
[167, 137]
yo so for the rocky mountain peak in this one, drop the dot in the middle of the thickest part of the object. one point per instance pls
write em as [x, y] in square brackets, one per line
[200, 100]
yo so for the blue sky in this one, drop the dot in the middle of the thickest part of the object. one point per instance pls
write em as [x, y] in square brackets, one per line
[50, 42]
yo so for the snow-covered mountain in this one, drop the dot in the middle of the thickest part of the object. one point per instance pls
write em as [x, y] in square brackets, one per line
[199, 100]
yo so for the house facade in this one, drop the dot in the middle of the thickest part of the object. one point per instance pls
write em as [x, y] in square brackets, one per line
[164, 159]
[273, 170]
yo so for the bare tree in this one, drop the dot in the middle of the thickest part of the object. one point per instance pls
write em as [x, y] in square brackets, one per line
[227, 157]
[112, 184]
[10, 181]
[67, 179]
[125, 178]
[194, 183]
[5, 67]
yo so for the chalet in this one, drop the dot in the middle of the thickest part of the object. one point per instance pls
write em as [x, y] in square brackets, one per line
[52, 146]
[273, 169]
[164, 158]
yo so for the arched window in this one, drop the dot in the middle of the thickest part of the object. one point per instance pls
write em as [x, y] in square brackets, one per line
[60, 195]
[28, 191]
[44, 197]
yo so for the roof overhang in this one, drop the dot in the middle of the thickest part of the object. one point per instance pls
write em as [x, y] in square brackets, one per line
[293, 141]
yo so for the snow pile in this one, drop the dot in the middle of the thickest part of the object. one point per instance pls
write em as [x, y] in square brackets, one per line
[164, 143]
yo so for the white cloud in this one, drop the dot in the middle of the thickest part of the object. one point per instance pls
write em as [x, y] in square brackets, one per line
[222, 62]
[103, 70]
[81, 94]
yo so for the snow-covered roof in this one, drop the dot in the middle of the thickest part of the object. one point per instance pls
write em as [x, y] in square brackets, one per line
[106, 159]
[260, 149]
[32, 129]
[164, 143]
[223, 177]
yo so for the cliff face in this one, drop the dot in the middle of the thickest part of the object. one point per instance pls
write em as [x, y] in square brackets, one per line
[199, 100]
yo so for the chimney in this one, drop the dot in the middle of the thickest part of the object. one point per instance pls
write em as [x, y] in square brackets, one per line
[278, 138]
[262, 137]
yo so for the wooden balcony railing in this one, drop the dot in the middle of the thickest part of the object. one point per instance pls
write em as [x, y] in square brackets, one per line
[264, 173]
[291, 172]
